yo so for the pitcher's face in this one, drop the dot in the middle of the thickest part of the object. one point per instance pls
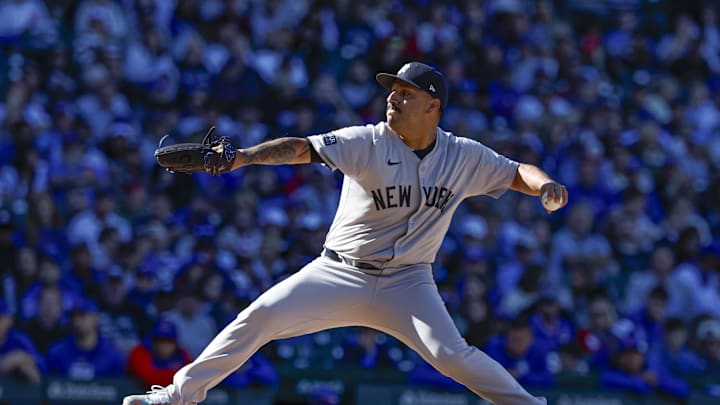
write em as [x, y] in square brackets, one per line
[405, 104]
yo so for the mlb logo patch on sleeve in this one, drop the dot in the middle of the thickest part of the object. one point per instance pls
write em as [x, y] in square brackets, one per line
[329, 140]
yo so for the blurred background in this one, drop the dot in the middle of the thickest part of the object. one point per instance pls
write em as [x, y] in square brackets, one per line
[115, 273]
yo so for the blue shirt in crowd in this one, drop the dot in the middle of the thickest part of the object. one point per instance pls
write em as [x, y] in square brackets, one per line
[65, 357]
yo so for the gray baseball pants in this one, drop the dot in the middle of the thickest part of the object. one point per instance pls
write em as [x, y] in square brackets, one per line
[402, 302]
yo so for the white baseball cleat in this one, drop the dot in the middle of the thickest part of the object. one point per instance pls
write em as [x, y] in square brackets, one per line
[158, 395]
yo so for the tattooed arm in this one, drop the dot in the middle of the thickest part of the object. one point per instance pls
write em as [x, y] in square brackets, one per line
[281, 151]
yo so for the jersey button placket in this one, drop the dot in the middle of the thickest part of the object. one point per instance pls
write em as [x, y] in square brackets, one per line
[421, 177]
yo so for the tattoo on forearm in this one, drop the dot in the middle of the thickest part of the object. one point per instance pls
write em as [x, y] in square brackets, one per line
[275, 152]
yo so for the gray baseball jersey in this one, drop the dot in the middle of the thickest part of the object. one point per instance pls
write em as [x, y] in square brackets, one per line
[395, 208]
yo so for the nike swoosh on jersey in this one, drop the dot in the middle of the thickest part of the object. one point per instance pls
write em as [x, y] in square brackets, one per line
[391, 163]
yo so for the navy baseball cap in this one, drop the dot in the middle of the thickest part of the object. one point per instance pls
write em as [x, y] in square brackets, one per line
[420, 75]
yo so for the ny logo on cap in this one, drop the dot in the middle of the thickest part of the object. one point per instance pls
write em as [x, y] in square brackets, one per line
[432, 88]
[403, 69]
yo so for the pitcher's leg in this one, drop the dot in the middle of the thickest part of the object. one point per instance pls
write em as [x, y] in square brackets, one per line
[417, 316]
[318, 297]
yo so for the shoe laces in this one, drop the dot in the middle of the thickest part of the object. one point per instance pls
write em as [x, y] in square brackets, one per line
[158, 394]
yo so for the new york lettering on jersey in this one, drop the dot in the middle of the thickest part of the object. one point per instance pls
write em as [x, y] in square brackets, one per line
[400, 196]
[392, 196]
[437, 196]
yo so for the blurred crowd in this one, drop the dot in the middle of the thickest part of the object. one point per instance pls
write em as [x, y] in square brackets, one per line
[111, 265]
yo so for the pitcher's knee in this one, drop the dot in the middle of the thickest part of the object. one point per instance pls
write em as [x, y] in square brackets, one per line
[256, 313]
[453, 361]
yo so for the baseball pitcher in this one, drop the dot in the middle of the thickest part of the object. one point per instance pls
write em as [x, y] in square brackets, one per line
[403, 180]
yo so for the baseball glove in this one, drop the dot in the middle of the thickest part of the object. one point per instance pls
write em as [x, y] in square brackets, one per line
[214, 156]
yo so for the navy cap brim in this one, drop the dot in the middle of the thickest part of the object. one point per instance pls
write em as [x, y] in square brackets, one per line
[386, 80]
